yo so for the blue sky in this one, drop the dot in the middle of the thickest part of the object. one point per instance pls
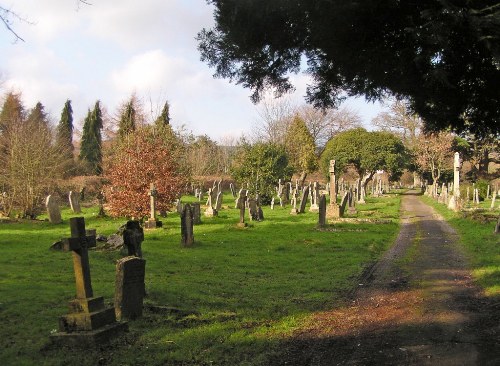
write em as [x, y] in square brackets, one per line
[111, 49]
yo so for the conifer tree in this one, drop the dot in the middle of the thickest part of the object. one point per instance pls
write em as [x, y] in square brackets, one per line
[12, 111]
[90, 150]
[38, 115]
[164, 118]
[64, 137]
[127, 121]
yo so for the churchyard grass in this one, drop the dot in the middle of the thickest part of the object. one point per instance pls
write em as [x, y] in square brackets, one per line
[481, 244]
[241, 290]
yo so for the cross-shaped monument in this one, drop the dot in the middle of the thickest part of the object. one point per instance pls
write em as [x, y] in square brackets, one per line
[333, 210]
[89, 322]
[152, 223]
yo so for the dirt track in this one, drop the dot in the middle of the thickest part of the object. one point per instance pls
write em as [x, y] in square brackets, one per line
[416, 306]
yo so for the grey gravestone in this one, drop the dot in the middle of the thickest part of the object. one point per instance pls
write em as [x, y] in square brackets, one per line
[73, 202]
[260, 213]
[196, 213]
[218, 202]
[129, 287]
[53, 210]
[303, 200]
[133, 236]
[233, 192]
[252, 209]
[322, 211]
[343, 203]
[89, 323]
[187, 236]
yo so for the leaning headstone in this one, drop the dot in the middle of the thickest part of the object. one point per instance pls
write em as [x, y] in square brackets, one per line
[53, 210]
[218, 202]
[303, 201]
[322, 211]
[133, 236]
[73, 202]
[187, 236]
[196, 213]
[129, 287]
[89, 323]
[233, 192]
[343, 203]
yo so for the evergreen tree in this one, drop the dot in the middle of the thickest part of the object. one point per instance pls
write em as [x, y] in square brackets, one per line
[64, 137]
[164, 118]
[38, 115]
[12, 111]
[90, 150]
[127, 121]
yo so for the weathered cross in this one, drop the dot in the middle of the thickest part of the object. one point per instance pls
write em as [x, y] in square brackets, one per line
[79, 244]
[333, 183]
[153, 193]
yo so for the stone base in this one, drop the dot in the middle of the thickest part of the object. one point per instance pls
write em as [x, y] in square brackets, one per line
[333, 211]
[314, 208]
[352, 211]
[86, 321]
[88, 339]
[152, 224]
[242, 224]
[294, 211]
[210, 212]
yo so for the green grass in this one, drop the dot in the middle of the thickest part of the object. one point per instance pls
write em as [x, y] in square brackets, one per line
[481, 244]
[246, 288]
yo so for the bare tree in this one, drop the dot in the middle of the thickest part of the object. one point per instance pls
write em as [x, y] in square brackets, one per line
[275, 115]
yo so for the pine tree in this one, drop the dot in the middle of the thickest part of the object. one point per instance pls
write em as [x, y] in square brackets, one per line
[64, 137]
[127, 121]
[164, 118]
[38, 115]
[90, 150]
[12, 111]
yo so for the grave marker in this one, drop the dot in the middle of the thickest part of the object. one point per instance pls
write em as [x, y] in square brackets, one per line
[133, 236]
[129, 287]
[187, 235]
[73, 202]
[53, 210]
[322, 211]
[152, 223]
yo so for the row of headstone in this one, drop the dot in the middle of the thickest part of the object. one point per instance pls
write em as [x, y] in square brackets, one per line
[54, 211]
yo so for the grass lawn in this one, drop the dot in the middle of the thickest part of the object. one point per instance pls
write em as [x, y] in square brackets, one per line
[244, 289]
[482, 245]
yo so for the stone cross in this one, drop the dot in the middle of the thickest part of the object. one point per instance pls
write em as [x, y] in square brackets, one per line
[153, 193]
[456, 175]
[333, 183]
[79, 244]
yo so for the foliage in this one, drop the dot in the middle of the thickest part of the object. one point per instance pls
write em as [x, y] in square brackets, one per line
[366, 152]
[29, 162]
[91, 144]
[300, 148]
[442, 56]
[140, 159]
[204, 156]
[127, 120]
[433, 153]
[260, 166]
[164, 117]
[64, 136]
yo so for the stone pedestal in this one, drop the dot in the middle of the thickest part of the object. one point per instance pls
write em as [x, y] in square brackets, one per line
[210, 212]
[333, 211]
[152, 224]
[314, 208]
[294, 211]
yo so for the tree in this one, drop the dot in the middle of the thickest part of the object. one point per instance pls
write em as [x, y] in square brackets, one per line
[128, 117]
[260, 166]
[300, 147]
[29, 162]
[275, 117]
[164, 117]
[204, 156]
[64, 135]
[91, 145]
[366, 152]
[143, 158]
[442, 56]
[434, 154]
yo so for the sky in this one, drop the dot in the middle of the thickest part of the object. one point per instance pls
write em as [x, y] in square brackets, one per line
[111, 49]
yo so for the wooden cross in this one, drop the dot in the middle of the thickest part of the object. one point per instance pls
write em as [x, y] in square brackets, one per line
[79, 244]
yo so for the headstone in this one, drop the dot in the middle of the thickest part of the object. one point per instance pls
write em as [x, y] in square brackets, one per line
[133, 236]
[210, 211]
[241, 206]
[129, 287]
[303, 201]
[53, 210]
[101, 199]
[322, 211]
[333, 183]
[343, 203]
[152, 223]
[260, 213]
[233, 192]
[178, 206]
[352, 203]
[456, 175]
[314, 198]
[294, 210]
[196, 213]
[89, 322]
[74, 203]
[82, 194]
[497, 226]
[252, 209]
[218, 202]
[187, 226]
[272, 203]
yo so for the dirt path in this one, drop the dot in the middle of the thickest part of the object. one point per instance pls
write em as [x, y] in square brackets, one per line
[417, 306]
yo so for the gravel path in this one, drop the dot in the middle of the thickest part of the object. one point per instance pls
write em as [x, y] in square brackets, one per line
[417, 306]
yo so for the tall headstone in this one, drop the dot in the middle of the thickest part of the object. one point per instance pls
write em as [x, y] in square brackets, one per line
[332, 210]
[133, 236]
[233, 192]
[322, 211]
[218, 202]
[129, 287]
[196, 213]
[252, 209]
[241, 206]
[210, 211]
[89, 322]
[456, 175]
[53, 210]
[74, 203]
[294, 210]
[314, 198]
[187, 226]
